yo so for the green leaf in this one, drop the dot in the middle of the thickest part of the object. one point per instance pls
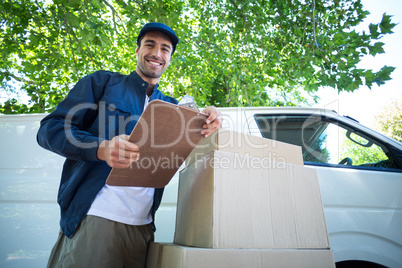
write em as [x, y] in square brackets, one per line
[87, 35]
[377, 48]
[374, 30]
[383, 75]
[74, 20]
[75, 3]
[386, 26]
[369, 77]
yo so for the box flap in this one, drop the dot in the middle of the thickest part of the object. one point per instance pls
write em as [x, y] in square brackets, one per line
[236, 142]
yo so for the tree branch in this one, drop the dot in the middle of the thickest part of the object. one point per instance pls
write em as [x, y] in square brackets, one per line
[141, 5]
[314, 32]
[234, 4]
[70, 41]
[114, 16]
[121, 3]
[19, 79]
[68, 29]
[211, 44]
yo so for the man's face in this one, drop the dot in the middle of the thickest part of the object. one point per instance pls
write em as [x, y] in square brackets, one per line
[153, 55]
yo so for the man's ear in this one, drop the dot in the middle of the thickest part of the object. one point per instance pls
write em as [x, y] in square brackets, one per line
[136, 51]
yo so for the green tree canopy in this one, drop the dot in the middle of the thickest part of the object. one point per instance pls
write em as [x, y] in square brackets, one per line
[231, 53]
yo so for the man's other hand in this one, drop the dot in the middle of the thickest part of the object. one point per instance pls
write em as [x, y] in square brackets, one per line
[214, 120]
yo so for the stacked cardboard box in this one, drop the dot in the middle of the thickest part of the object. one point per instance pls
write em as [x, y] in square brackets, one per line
[246, 201]
[176, 256]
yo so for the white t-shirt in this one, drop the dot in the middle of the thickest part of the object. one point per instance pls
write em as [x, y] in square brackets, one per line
[128, 205]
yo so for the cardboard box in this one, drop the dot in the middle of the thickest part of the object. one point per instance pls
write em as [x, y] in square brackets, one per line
[236, 142]
[228, 200]
[174, 256]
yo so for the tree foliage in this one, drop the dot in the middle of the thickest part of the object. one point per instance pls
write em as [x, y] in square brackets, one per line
[389, 120]
[231, 53]
[360, 154]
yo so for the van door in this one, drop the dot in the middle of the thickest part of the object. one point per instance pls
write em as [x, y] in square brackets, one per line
[360, 178]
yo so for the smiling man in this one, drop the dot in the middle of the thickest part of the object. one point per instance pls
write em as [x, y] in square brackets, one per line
[102, 225]
[154, 55]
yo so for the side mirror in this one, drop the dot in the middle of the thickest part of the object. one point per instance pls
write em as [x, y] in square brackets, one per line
[356, 138]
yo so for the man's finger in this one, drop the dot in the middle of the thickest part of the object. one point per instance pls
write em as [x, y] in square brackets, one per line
[126, 154]
[129, 146]
[212, 117]
[122, 142]
[124, 137]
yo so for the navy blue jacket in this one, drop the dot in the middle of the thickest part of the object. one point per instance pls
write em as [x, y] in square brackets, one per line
[100, 106]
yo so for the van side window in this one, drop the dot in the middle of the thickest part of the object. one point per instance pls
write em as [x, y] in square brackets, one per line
[326, 141]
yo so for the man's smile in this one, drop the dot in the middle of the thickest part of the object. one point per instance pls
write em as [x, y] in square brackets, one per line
[154, 62]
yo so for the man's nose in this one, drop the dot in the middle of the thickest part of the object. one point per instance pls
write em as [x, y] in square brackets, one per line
[157, 51]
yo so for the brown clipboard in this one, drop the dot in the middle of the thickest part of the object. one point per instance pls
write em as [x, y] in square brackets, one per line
[166, 134]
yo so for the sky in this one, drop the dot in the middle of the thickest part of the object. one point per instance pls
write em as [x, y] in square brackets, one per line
[363, 104]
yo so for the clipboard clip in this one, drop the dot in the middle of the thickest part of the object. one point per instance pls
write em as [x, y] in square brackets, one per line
[188, 101]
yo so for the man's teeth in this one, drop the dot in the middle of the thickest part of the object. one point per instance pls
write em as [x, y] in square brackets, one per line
[154, 63]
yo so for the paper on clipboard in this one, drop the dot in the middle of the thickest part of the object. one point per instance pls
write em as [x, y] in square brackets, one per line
[166, 134]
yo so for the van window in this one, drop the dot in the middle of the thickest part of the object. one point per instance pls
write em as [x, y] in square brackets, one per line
[326, 141]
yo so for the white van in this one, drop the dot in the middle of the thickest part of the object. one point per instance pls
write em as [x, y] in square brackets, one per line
[359, 170]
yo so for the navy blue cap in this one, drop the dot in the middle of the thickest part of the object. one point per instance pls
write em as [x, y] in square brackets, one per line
[157, 26]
